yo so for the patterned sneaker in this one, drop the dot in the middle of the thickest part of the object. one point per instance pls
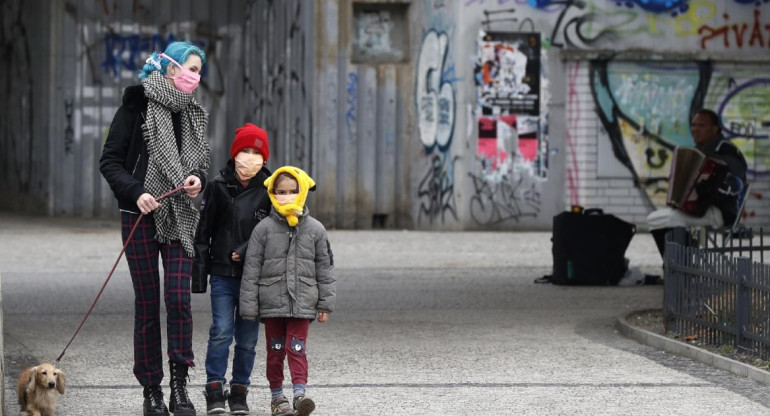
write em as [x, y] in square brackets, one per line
[303, 406]
[281, 407]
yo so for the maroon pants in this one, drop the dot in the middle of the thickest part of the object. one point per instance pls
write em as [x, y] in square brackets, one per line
[282, 334]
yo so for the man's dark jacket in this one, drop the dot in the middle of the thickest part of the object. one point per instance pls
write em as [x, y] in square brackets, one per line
[727, 197]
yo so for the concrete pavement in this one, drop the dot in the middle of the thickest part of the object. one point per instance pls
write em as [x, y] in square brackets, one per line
[427, 323]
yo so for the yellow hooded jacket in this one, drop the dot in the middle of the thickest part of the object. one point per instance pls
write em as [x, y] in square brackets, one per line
[292, 212]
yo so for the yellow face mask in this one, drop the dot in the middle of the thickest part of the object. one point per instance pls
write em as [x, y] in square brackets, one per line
[292, 210]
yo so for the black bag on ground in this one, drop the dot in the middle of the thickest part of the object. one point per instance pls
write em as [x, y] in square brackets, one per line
[589, 248]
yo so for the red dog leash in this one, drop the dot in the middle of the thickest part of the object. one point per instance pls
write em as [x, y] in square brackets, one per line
[114, 266]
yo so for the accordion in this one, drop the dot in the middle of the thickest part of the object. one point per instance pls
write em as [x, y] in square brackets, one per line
[694, 180]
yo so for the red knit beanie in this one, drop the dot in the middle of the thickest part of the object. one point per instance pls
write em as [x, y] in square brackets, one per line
[250, 136]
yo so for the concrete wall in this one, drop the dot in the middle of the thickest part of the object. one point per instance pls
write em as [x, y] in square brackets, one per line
[513, 171]
[428, 114]
[2, 351]
[618, 83]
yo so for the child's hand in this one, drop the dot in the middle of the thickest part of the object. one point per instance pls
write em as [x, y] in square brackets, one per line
[192, 185]
[323, 316]
[236, 257]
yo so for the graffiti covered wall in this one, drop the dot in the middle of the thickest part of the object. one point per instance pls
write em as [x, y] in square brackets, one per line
[435, 83]
[618, 85]
[645, 110]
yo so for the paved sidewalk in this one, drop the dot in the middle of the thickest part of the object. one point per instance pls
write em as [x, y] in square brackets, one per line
[427, 323]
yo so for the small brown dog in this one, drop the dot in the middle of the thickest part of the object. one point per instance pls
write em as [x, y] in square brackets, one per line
[38, 389]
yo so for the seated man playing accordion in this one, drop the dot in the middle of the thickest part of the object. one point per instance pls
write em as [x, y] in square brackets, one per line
[723, 200]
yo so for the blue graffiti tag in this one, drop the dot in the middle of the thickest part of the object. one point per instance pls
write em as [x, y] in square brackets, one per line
[125, 51]
[653, 6]
[350, 115]
[657, 6]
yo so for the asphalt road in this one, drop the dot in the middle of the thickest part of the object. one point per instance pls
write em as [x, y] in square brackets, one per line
[426, 323]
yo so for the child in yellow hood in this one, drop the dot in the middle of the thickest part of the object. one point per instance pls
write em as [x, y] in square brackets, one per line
[288, 281]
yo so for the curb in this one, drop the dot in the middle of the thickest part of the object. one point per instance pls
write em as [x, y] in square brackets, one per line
[2, 354]
[667, 344]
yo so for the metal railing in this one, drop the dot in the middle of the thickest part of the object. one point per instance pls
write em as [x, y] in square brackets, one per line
[717, 290]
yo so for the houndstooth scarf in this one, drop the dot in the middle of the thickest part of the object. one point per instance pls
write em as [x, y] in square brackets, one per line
[177, 218]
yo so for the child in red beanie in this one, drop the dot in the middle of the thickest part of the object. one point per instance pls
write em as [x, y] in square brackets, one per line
[233, 203]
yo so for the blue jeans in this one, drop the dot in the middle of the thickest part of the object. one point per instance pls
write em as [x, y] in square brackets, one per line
[226, 324]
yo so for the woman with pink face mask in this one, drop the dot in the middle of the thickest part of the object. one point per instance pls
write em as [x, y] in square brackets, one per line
[233, 204]
[156, 143]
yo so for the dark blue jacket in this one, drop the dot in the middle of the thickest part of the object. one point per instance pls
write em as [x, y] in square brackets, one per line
[727, 197]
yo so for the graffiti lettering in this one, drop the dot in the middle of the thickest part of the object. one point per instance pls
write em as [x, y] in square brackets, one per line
[435, 95]
[709, 33]
[509, 197]
[685, 24]
[125, 51]
[745, 129]
[575, 31]
[436, 190]
[350, 115]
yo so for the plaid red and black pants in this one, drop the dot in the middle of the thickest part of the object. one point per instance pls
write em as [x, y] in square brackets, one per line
[142, 256]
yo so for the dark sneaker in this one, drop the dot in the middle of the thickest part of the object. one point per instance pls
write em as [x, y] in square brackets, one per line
[215, 398]
[281, 407]
[237, 399]
[303, 406]
[153, 402]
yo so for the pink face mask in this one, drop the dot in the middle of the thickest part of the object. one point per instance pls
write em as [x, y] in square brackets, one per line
[187, 81]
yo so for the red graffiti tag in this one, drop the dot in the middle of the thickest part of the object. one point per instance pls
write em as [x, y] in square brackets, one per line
[738, 30]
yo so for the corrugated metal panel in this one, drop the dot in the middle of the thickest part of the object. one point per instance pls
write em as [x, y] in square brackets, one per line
[263, 66]
[24, 98]
[259, 56]
[357, 127]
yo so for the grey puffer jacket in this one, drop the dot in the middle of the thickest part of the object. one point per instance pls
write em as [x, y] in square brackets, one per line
[289, 271]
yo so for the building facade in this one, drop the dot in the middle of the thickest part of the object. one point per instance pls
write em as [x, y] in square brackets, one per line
[424, 114]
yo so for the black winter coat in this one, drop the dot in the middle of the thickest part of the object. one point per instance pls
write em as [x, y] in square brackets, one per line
[727, 197]
[124, 157]
[229, 213]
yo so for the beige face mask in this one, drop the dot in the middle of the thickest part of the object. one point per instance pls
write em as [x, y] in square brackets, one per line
[248, 164]
[285, 199]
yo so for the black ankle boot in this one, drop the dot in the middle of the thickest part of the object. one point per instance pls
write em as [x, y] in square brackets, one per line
[180, 404]
[153, 402]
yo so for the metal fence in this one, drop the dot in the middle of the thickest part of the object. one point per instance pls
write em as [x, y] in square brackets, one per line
[717, 290]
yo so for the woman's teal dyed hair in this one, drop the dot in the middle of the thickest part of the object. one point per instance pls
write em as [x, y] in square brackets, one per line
[179, 51]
